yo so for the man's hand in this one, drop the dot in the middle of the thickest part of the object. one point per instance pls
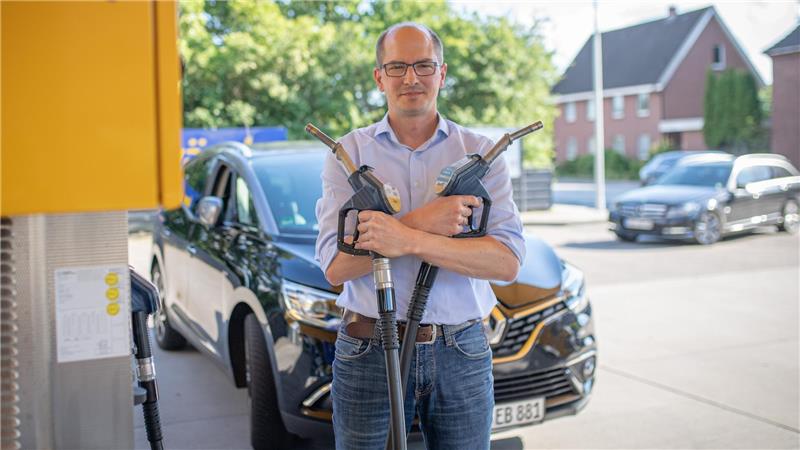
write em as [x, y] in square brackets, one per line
[383, 234]
[444, 216]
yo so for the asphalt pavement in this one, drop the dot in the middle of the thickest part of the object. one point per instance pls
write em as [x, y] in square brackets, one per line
[698, 348]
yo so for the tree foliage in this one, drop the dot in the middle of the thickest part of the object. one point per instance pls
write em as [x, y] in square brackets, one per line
[287, 63]
[733, 113]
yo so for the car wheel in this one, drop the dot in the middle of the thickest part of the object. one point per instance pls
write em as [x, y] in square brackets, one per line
[266, 426]
[166, 336]
[707, 228]
[790, 222]
[627, 237]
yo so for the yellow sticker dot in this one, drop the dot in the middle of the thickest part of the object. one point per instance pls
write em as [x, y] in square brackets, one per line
[112, 309]
[202, 142]
[112, 278]
[112, 293]
[192, 142]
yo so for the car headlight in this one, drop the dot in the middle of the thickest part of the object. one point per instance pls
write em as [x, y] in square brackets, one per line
[313, 306]
[574, 287]
[686, 209]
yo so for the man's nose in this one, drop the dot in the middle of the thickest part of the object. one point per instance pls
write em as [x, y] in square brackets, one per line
[410, 77]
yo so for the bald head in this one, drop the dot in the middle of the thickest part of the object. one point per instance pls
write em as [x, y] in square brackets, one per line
[404, 28]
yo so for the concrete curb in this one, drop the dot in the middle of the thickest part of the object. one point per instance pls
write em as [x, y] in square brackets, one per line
[561, 214]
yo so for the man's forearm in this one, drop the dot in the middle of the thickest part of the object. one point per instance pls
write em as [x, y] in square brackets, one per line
[483, 257]
[346, 267]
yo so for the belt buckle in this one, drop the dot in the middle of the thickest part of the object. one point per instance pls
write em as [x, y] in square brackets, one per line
[433, 334]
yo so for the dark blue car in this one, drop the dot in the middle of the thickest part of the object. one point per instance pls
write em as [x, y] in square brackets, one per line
[238, 280]
[707, 196]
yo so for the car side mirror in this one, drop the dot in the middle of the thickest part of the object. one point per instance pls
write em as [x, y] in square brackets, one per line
[741, 185]
[208, 210]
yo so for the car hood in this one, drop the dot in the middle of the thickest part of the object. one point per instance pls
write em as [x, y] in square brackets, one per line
[539, 276]
[298, 263]
[669, 194]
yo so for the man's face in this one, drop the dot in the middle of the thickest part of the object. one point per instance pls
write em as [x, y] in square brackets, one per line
[411, 94]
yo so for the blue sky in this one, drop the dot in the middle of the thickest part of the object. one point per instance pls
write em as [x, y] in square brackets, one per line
[756, 25]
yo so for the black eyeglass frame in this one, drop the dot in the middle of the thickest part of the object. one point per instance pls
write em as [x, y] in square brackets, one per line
[436, 65]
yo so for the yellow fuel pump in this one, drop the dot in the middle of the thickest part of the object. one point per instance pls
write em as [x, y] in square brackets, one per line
[90, 124]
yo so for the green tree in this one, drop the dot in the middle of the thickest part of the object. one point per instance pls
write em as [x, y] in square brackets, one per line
[288, 63]
[710, 115]
[733, 113]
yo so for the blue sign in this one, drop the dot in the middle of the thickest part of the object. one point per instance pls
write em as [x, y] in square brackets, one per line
[195, 140]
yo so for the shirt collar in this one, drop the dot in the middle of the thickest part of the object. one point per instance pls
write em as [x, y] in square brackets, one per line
[383, 127]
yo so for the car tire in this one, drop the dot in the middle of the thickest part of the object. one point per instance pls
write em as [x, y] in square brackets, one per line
[790, 221]
[266, 426]
[167, 337]
[627, 237]
[707, 228]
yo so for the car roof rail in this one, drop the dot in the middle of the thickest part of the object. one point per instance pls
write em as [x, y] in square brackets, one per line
[706, 157]
[750, 156]
[243, 149]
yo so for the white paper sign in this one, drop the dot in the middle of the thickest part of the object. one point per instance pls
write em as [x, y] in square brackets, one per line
[92, 312]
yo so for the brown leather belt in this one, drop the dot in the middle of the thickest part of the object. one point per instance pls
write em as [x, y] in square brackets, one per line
[363, 327]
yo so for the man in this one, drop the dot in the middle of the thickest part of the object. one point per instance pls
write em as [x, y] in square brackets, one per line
[450, 386]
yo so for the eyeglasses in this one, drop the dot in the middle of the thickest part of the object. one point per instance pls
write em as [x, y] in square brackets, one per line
[421, 68]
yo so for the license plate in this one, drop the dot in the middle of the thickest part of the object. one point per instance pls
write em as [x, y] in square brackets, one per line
[638, 224]
[518, 413]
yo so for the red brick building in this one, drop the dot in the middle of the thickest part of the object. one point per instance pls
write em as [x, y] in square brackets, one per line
[786, 96]
[654, 77]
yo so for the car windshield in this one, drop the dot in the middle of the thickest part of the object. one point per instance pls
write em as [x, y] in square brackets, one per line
[714, 175]
[292, 186]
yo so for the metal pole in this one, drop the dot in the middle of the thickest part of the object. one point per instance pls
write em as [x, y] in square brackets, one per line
[599, 139]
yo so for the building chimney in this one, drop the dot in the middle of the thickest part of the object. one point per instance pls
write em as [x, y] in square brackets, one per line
[673, 11]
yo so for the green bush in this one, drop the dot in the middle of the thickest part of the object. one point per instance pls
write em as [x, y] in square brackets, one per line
[618, 167]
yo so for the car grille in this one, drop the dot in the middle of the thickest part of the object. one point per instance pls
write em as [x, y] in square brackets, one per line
[548, 383]
[646, 210]
[520, 329]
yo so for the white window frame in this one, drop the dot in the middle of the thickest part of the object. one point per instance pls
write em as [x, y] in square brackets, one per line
[644, 150]
[618, 100]
[720, 65]
[572, 148]
[590, 110]
[643, 112]
[619, 139]
[569, 112]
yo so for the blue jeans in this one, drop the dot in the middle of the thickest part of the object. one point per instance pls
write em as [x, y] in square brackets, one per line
[450, 388]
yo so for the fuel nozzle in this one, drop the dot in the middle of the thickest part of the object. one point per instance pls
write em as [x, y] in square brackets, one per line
[371, 194]
[388, 196]
[464, 176]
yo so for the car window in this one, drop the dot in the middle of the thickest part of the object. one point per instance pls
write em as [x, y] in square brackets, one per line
[245, 208]
[753, 174]
[780, 172]
[194, 181]
[292, 186]
[714, 175]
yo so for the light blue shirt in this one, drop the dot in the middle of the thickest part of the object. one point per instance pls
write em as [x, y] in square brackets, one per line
[454, 298]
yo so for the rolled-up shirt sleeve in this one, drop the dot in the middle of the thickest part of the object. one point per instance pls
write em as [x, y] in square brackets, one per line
[335, 192]
[504, 222]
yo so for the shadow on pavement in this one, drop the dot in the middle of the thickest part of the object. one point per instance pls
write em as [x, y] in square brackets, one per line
[650, 242]
[513, 443]
[612, 244]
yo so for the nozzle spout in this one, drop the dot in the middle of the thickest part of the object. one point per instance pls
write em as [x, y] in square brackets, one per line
[508, 138]
[337, 148]
[527, 130]
[316, 132]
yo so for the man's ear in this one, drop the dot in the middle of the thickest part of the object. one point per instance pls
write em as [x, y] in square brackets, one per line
[444, 74]
[376, 74]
